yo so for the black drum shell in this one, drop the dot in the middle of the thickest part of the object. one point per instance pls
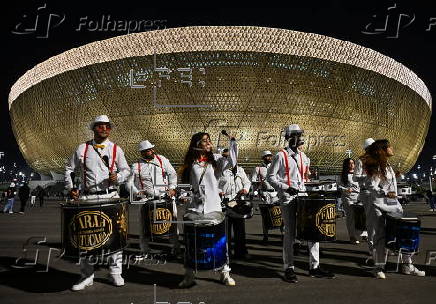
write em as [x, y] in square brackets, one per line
[163, 210]
[94, 229]
[402, 235]
[271, 215]
[316, 219]
[359, 217]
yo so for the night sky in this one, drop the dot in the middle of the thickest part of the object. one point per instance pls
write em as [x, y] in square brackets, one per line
[406, 38]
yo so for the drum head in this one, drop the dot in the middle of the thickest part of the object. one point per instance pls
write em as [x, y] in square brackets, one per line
[104, 201]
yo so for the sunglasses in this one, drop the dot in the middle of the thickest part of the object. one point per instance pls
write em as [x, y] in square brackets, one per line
[103, 127]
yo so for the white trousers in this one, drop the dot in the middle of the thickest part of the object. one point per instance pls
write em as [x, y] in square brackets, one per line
[289, 214]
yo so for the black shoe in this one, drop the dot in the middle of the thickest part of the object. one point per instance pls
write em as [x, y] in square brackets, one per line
[290, 276]
[320, 273]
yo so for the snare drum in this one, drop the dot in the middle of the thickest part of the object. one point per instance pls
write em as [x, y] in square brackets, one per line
[402, 233]
[159, 218]
[239, 209]
[94, 227]
[271, 215]
[359, 217]
[316, 219]
[206, 245]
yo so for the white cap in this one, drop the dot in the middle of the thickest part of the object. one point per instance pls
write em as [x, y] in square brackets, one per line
[368, 142]
[145, 145]
[265, 153]
[100, 118]
[294, 128]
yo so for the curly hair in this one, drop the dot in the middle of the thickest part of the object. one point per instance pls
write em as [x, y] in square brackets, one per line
[375, 160]
[193, 154]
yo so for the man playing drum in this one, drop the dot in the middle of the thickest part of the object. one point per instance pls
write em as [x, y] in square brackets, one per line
[102, 166]
[232, 184]
[284, 175]
[150, 177]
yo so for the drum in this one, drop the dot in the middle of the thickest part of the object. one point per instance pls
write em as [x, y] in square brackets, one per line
[206, 245]
[359, 217]
[316, 219]
[271, 215]
[402, 233]
[239, 209]
[159, 219]
[94, 227]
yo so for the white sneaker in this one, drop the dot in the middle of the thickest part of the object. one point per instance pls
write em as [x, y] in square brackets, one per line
[10, 211]
[83, 283]
[188, 280]
[380, 274]
[116, 279]
[410, 269]
[226, 279]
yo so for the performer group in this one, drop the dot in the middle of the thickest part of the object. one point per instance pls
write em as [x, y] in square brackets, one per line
[220, 200]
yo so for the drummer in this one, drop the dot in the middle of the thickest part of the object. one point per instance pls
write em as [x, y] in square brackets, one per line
[349, 193]
[202, 169]
[262, 186]
[359, 176]
[234, 183]
[284, 175]
[151, 176]
[102, 166]
[382, 185]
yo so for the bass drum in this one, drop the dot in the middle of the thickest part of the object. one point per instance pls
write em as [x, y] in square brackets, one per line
[94, 227]
[316, 219]
[402, 233]
[159, 219]
[271, 216]
[206, 245]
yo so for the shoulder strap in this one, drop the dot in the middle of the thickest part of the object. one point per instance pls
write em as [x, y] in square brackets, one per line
[114, 157]
[161, 166]
[202, 173]
[139, 172]
[285, 155]
[85, 155]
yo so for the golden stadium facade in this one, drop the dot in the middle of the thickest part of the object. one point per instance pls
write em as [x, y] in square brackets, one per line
[165, 85]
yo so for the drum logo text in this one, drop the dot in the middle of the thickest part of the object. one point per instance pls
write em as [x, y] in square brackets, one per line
[160, 215]
[90, 230]
[276, 213]
[326, 220]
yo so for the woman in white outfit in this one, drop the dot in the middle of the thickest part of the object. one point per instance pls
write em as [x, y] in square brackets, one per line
[202, 169]
[349, 193]
[382, 184]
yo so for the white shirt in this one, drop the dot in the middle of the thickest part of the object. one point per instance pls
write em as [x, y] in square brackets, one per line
[206, 197]
[259, 175]
[303, 163]
[153, 181]
[97, 173]
[277, 175]
[231, 184]
[351, 184]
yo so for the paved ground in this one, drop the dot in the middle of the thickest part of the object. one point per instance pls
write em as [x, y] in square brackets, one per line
[258, 280]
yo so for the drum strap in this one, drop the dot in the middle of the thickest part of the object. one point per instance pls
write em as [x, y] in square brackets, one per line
[140, 179]
[285, 155]
[161, 166]
[114, 157]
[302, 169]
[85, 154]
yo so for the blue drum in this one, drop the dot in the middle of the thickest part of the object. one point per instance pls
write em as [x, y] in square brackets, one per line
[206, 245]
[402, 233]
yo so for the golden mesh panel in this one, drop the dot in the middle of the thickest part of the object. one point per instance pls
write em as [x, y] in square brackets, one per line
[252, 93]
